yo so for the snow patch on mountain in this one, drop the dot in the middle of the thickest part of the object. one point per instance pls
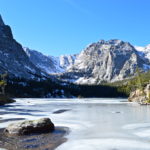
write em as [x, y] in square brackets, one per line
[50, 64]
[66, 61]
[144, 51]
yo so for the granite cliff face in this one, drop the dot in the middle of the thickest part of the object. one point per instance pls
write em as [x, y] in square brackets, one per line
[13, 59]
[105, 61]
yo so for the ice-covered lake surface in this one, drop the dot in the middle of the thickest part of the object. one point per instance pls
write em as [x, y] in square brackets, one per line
[95, 124]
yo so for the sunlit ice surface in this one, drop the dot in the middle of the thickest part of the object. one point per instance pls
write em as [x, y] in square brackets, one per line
[95, 124]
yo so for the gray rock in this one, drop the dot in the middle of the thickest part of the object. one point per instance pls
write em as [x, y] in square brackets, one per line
[43, 125]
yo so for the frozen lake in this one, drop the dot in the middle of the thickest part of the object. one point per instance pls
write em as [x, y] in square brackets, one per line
[95, 124]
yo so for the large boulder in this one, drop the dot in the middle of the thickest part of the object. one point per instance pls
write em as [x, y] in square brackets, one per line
[43, 125]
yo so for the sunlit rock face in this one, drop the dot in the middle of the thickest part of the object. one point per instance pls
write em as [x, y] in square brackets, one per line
[140, 95]
[13, 59]
[105, 61]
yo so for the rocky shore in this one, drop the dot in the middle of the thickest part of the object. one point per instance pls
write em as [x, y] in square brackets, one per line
[141, 96]
[5, 100]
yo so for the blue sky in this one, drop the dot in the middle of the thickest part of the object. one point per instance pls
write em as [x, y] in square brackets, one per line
[58, 27]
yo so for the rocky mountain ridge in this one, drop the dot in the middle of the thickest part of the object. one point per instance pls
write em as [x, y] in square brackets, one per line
[98, 63]
[103, 61]
[50, 64]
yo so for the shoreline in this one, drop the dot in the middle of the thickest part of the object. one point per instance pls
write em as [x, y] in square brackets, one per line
[47, 141]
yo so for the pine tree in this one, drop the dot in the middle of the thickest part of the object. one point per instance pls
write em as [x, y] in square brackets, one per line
[3, 83]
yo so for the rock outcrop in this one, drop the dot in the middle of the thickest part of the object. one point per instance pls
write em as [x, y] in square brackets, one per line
[140, 96]
[43, 125]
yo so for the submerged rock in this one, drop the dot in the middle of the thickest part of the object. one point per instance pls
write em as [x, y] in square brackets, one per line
[43, 125]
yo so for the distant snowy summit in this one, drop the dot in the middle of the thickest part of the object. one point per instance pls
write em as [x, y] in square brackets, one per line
[50, 64]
